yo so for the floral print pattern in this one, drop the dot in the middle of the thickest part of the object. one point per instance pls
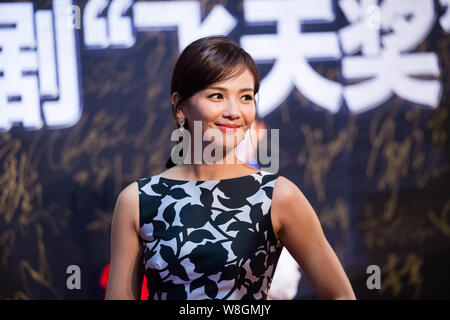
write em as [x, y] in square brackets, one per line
[209, 239]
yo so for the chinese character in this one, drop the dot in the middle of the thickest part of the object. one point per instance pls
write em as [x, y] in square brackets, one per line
[292, 49]
[35, 70]
[385, 58]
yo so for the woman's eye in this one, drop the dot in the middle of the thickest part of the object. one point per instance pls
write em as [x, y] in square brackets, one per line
[218, 96]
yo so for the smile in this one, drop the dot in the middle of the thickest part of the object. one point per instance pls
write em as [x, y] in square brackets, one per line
[227, 129]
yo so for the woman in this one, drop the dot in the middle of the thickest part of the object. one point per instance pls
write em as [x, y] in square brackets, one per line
[216, 230]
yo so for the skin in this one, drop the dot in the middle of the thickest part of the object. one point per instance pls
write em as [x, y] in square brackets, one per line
[294, 221]
[212, 107]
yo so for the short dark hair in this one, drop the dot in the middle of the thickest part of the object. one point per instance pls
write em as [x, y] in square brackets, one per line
[206, 61]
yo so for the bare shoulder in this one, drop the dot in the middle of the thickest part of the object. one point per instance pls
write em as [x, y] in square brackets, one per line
[285, 190]
[129, 194]
[127, 205]
[287, 201]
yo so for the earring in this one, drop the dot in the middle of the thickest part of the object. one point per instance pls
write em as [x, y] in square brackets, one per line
[180, 122]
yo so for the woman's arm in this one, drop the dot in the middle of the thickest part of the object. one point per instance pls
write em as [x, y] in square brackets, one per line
[298, 228]
[126, 268]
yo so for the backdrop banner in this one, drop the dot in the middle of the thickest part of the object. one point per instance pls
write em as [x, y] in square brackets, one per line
[358, 89]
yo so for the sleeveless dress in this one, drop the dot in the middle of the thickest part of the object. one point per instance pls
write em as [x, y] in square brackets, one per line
[209, 239]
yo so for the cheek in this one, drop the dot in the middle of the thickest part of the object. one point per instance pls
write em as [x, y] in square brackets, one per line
[205, 111]
[249, 115]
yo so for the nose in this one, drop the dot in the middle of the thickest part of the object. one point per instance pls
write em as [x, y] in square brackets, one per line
[231, 110]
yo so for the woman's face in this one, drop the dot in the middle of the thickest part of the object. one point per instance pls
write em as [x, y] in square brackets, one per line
[227, 103]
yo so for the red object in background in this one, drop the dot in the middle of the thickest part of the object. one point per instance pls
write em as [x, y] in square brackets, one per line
[104, 282]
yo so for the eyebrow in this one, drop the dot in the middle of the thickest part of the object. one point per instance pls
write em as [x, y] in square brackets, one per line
[225, 89]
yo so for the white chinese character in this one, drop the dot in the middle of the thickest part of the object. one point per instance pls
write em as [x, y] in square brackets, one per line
[116, 30]
[66, 110]
[359, 34]
[445, 19]
[19, 94]
[386, 62]
[185, 16]
[20, 63]
[292, 49]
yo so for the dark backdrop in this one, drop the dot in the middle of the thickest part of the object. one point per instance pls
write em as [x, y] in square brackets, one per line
[378, 179]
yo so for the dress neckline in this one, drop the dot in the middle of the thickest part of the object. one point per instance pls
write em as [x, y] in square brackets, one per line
[226, 179]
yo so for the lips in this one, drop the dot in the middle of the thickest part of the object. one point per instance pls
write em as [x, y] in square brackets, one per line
[227, 127]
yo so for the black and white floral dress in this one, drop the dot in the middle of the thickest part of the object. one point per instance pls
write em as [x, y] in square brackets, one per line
[209, 239]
